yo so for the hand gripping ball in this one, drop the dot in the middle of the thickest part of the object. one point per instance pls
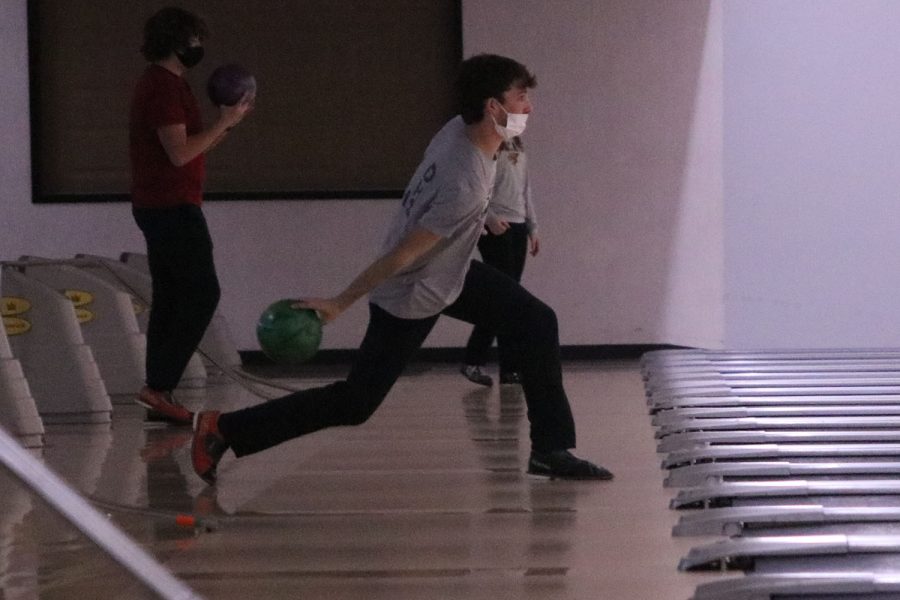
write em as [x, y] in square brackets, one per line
[289, 335]
[228, 84]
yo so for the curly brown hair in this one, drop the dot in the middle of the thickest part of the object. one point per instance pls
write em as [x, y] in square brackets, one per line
[171, 29]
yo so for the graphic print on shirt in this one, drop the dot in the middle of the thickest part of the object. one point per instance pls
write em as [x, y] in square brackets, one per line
[412, 195]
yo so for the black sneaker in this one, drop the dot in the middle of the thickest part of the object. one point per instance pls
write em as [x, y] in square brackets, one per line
[510, 377]
[473, 373]
[562, 464]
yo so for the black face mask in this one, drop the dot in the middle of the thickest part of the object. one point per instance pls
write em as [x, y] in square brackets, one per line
[190, 56]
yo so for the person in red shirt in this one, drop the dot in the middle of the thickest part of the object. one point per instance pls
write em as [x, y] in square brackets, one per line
[167, 147]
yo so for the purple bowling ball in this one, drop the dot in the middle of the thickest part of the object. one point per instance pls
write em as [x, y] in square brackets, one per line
[228, 84]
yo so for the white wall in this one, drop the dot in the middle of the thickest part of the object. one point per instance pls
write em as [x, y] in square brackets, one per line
[626, 144]
[812, 172]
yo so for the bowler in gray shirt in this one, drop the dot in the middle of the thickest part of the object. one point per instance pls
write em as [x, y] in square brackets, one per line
[426, 269]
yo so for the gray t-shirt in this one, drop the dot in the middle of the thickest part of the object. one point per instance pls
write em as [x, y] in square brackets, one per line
[448, 195]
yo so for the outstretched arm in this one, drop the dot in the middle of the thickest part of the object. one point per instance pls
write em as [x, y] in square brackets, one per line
[416, 243]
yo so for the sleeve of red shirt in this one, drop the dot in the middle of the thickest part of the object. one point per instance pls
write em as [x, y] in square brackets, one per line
[166, 107]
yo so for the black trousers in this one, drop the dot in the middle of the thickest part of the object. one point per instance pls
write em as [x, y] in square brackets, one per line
[489, 298]
[506, 253]
[185, 289]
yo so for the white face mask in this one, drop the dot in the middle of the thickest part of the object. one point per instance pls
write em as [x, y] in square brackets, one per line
[515, 124]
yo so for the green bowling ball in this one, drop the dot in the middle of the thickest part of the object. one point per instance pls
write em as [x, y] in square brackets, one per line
[289, 335]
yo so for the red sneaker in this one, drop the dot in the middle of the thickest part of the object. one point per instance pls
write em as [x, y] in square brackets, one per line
[162, 407]
[208, 445]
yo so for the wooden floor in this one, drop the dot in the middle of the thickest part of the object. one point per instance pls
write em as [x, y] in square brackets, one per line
[428, 500]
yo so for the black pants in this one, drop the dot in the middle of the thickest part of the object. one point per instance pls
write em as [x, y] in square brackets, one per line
[506, 253]
[185, 289]
[489, 298]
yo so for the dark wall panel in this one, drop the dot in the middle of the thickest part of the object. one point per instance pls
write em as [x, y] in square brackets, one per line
[350, 91]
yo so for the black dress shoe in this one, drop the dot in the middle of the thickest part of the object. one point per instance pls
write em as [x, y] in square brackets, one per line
[562, 464]
[510, 377]
[473, 373]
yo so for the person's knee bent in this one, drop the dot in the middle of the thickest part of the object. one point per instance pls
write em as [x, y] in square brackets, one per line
[207, 297]
[356, 406]
[213, 295]
[543, 314]
[357, 413]
[541, 322]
